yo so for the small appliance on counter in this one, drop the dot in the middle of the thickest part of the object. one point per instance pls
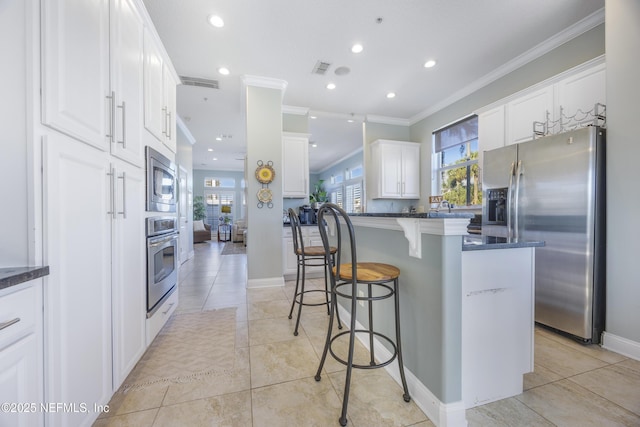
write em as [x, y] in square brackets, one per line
[307, 215]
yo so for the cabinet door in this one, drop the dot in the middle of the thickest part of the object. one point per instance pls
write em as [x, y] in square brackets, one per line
[289, 259]
[522, 112]
[154, 108]
[75, 69]
[127, 36]
[19, 382]
[490, 131]
[578, 95]
[411, 171]
[129, 271]
[169, 90]
[78, 365]
[295, 167]
[390, 171]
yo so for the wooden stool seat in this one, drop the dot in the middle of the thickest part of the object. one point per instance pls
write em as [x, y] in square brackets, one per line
[369, 272]
[314, 251]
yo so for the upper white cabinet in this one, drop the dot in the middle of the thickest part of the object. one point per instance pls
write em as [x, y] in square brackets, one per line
[92, 74]
[491, 131]
[523, 111]
[578, 94]
[159, 94]
[395, 169]
[295, 165]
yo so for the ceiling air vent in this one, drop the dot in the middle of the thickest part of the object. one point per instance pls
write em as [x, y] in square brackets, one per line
[321, 68]
[195, 81]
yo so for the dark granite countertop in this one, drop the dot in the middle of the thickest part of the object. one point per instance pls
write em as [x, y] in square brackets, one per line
[430, 214]
[286, 224]
[482, 243]
[11, 276]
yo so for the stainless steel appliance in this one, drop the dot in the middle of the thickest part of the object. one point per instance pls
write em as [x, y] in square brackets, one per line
[162, 260]
[161, 182]
[556, 193]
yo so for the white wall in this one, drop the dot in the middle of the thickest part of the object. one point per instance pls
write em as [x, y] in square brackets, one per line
[623, 152]
[14, 170]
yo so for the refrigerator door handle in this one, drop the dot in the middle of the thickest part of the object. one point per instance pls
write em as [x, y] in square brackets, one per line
[516, 228]
[509, 199]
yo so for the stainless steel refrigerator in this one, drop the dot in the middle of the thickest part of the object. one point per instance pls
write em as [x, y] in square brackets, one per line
[553, 189]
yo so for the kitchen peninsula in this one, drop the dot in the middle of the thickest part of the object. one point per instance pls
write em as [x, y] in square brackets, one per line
[466, 308]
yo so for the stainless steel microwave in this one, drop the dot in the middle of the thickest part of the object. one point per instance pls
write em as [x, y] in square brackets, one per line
[161, 182]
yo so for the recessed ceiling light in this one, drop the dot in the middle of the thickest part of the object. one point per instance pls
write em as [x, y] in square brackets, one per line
[314, 145]
[218, 138]
[313, 117]
[216, 21]
[430, 63]
[350, 120]
[210, 149]
[215, 158]
[357, 48]
[224, 71]
[391, 95]
[331, 86]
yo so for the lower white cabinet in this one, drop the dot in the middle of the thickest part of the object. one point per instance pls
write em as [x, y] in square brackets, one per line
[95, 295]
[497, 323]
[311, 237]
[21, 355]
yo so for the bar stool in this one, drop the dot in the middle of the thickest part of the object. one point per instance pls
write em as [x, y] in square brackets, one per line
[345, 279]
[309, 256]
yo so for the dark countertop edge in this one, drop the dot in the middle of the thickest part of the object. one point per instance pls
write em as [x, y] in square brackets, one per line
[12, 276]
[424, 215]
[284, 224]
[484, 245]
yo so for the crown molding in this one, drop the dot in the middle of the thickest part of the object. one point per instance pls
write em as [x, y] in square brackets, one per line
[266, 82]
[387, 120]
[298, 111]
[580, 27]
[185, 130]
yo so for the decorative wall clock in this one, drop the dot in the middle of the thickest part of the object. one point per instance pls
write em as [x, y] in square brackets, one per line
[265, 175]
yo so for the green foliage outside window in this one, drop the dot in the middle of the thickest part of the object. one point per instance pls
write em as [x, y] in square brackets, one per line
[198, 208]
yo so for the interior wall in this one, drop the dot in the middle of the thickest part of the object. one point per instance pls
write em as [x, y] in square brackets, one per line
[623, 152]
[14, 217]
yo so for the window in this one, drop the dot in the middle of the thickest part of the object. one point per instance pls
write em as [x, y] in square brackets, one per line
[219, 183]
[347, 193]
[353, 202]
[219, 204]
[456, 163]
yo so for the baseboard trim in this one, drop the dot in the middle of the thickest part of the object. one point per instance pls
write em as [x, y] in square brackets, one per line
[266, 282]
[441, 414]
[621, 345]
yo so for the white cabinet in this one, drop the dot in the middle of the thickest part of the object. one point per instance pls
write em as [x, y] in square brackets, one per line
[129, 270]
[21, 353]
[95, 297]
[578, 94]
[395, 169]
[490, 131]
[310, 237]
[535, 106]
[295, 165]
[92, 74]
[497, 323]
[159, 94]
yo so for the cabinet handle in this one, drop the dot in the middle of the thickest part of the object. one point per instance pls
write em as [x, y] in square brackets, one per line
[9, 323]
[168, 308]
[164, 124]
[112, 210]
[124, 125]
[169, 127]
[124, 195]
[112, 113]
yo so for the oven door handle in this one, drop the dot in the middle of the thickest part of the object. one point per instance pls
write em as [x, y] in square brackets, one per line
[164, 240]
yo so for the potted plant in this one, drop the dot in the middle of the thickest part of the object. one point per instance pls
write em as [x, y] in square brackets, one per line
[198, 208]
[319, 195]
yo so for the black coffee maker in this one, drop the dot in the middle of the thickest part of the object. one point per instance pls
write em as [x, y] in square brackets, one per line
[307, 215]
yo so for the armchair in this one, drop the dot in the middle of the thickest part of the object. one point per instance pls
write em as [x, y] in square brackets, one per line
[237, 232]
[201, 231]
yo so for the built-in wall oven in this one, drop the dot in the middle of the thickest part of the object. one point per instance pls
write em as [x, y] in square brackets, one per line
[162, 260]
[161, 183]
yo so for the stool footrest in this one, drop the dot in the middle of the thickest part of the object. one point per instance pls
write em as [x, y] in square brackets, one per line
[311, 304]
[370, 366]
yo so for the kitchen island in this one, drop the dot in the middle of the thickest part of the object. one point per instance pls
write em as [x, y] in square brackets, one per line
[466, 308]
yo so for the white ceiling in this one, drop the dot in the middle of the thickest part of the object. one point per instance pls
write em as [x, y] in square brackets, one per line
[473, 41]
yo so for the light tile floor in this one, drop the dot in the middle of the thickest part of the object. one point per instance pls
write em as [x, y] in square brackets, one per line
[271, 383]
